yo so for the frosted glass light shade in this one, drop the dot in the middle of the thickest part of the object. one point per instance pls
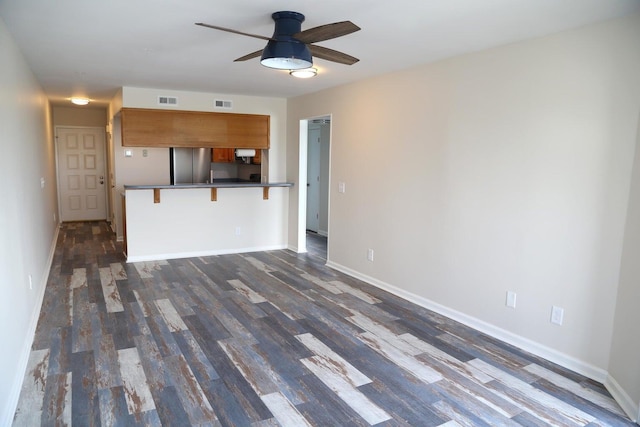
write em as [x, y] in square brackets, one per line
[80, 101]
[304, 73]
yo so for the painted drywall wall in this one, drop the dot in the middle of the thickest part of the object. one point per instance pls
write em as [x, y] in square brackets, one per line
[80, 116]
[624, 367]
[506, 169]
[114, 196]
[26, 214]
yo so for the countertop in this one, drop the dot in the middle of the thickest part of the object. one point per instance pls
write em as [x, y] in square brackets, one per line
[219, 184]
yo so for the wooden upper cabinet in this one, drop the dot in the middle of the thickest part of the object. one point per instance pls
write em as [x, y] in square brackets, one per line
[257, 159]
[223, 155]
[169, 128]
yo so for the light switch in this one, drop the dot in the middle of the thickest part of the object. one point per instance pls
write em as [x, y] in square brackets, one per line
[557, 315]
[341, 187]
[511, 299]
[128, 153]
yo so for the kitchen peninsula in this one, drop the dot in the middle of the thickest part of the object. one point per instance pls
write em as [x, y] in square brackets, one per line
[190, 220]
[231, 208]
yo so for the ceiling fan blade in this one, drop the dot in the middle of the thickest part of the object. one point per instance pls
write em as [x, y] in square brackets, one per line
[251, 55]
[326, 32]
[332, 55]
[229, 30]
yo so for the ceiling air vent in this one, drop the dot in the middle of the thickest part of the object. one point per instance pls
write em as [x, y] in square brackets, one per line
[167, 100]
[219, 103]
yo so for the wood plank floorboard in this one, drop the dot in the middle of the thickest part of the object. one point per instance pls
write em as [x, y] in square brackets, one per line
[270, 339]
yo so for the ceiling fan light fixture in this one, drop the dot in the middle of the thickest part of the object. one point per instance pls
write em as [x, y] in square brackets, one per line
[304, 73]
[290, 48]
[286, 55]
[79, 100]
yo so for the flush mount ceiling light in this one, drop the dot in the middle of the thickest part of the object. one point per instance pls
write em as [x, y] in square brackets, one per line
[79, 101]
[304, 73]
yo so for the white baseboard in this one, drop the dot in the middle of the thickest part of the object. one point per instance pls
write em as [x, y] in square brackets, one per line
[158, 257]
[296, 249]
[627, 404]
[533, 347]
[23, 361]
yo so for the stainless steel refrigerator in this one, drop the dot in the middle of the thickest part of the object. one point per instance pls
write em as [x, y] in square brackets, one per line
[190, 165]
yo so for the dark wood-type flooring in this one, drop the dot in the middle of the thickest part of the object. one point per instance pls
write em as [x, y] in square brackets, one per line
[270, 338]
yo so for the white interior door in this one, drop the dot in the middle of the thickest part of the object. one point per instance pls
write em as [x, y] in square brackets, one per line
[313, 179]
[81, 173]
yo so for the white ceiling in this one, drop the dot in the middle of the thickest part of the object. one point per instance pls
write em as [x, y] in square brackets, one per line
[92, 48]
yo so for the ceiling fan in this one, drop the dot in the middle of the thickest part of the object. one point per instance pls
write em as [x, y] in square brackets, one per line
[290, 48]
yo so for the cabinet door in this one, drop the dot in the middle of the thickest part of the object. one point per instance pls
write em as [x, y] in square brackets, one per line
[168, 128]
[257, 159]
[222, 155]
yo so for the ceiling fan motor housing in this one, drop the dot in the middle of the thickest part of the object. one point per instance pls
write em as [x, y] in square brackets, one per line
[284, 51]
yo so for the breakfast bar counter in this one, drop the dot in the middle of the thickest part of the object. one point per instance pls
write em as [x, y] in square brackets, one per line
[213, 186]
[190, 220]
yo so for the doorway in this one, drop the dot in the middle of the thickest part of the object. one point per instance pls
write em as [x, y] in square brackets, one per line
[313, 178]
[81, 173]
[317, 174]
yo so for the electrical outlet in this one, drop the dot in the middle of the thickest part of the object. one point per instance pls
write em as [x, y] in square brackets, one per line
[238, 231]
[557, 315]
[370, 254]
[342, 187]
[511, 299]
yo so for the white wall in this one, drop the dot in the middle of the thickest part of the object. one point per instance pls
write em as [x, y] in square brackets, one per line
[26, 214]
[114, 139]
[506, 169]
[624, 366]
[79, 116]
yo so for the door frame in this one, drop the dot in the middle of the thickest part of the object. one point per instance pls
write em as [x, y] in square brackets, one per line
[303, 136]
[106, 166]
